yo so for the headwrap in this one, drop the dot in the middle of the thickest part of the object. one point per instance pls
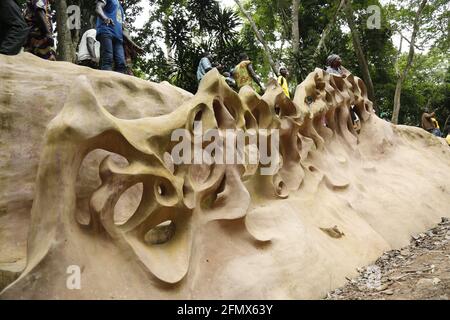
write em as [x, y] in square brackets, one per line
[332, 59]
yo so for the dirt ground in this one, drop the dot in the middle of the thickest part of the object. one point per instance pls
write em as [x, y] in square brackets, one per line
[420, 271]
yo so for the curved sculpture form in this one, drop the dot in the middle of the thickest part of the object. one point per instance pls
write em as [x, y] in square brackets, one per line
[155, 209]
[182, 195]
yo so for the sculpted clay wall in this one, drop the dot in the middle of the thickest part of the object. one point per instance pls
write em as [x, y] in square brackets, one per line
[141, 226]
[32, 93]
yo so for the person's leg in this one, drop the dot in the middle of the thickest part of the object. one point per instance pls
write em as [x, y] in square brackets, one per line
[88, 63]
[438, 133]
[119, 57]
[15, 28]
[353, 115]
[106, 52]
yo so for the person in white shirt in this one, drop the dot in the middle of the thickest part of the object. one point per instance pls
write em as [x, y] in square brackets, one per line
[89, 50]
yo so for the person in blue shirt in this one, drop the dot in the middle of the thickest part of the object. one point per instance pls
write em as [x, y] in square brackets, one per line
[110, 19]
[206, 64]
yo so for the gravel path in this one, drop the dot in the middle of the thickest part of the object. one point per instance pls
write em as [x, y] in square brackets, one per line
[420, 271]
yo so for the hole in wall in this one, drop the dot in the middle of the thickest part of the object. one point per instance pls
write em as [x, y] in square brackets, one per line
[160, 234]
[128, 203]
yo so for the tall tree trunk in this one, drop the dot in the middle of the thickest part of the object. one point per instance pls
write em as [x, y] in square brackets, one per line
[402, 76]
[399, 52]
[65, 49]
[169, 49]
[295, 63]
[75, 40]
[327, 29]
[359, 53]
[88, 15]
[446, 124]
[259, 37]
[295, 27]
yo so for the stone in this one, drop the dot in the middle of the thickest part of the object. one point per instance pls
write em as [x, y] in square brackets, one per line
[88, 179]
[388, 292]
[436, 281]
[425, 283]
[405, 252]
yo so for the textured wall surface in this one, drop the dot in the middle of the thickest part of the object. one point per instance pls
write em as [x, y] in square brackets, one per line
[86, 179]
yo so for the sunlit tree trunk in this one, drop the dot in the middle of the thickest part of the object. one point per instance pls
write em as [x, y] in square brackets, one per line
[295, 27]
[258, 36]
[65, 48]
[359, 53]
[295, 63]
[327, 29]
[404, 73]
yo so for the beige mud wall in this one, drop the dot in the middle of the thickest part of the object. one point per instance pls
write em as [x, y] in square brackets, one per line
[337, 201]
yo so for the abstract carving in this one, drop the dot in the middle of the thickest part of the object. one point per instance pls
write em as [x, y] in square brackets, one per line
[177, 198]
[152, 213]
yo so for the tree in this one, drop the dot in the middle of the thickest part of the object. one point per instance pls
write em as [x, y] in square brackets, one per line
[68, 39]
[295, 59]
[66, 49]
[364, 67]
[258, 36]
[295, 27]
[328, 28]
[404, 73]
[187, 29]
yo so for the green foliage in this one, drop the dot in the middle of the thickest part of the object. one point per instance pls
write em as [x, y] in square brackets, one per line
[428, 86]
[427, 83]
[178, 32]
[188, 29]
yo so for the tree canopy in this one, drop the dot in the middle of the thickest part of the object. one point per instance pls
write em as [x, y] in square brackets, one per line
[177, 33]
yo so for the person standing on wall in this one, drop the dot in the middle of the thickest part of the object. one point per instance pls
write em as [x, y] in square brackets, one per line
[334, 66]
[89, 50]
[282, 81]
[206, 64]
[110, 19]
[245, 75]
